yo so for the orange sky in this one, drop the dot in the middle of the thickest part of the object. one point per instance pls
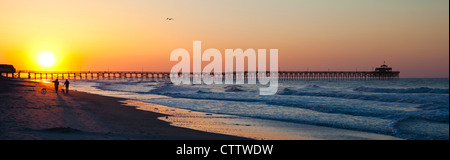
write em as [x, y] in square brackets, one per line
[411, 35]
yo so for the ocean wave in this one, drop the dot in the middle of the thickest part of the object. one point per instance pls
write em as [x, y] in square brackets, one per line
[127, 86]
[287, 91]
[435, 115]
[414, 128]
[312, 86]
[402, 90]
[201, 91]
[233, 88]
[383, 110]
[370, 97]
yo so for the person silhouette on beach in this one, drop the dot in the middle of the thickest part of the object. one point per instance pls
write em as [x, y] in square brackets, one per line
[56, 85]
[67, 85]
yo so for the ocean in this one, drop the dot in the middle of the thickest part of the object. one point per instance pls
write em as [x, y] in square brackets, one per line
[414, 109]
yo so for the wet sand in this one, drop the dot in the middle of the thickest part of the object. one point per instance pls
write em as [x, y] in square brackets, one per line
[27, 113]
[259, 129]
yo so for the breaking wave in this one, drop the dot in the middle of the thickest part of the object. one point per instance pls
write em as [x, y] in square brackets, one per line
[403, 90]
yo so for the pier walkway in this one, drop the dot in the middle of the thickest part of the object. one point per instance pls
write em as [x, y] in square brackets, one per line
[282, 75]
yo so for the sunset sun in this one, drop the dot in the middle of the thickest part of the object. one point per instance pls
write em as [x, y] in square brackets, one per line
[46, 59]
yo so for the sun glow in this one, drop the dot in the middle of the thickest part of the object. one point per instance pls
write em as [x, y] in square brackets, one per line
[46, 59]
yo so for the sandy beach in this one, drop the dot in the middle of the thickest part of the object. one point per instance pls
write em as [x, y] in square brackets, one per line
[27, 113]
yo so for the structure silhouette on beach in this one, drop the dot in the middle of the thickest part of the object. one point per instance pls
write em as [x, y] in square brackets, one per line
[7, 69]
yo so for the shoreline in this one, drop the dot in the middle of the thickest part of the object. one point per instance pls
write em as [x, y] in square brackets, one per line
[259, 129]
[26, 113]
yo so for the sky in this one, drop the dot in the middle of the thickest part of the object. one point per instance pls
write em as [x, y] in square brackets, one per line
[412, 36]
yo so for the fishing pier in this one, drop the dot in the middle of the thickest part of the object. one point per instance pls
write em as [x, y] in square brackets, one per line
[382, 73]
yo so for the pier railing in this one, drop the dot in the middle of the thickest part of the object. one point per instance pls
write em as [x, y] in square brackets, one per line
[282, 75]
